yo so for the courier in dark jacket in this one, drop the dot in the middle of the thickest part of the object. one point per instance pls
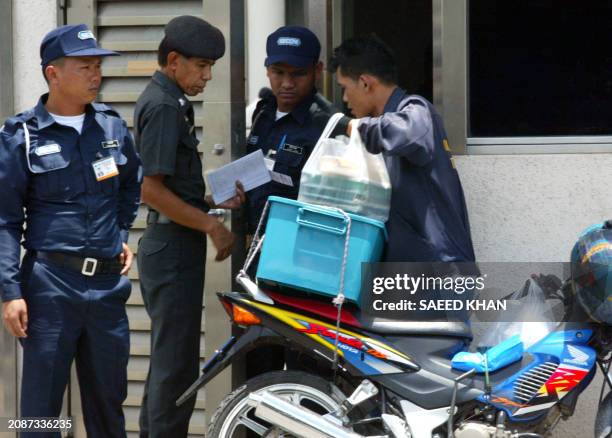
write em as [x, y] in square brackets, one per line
[428, 219]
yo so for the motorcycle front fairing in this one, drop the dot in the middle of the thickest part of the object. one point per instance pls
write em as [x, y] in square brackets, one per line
[562, 363]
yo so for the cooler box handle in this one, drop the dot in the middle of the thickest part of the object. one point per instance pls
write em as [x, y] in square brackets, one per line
[302, 221]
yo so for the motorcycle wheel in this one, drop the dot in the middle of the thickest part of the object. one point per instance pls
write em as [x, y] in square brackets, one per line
[235, 418]
[603, 421]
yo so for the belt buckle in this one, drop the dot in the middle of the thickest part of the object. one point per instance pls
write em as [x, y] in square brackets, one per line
[89, 266]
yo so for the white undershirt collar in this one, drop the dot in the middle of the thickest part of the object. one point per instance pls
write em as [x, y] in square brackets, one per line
[75, 122]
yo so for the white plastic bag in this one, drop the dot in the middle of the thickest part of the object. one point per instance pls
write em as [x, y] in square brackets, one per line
[529, 316]
[342, 173]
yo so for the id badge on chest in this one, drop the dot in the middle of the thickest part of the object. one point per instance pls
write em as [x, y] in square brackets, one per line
[105, 168]
[276, 176]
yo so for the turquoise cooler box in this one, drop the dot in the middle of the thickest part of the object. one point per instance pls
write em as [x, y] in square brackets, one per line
[304, 247]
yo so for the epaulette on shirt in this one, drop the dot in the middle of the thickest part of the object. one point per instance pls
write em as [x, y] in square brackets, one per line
[12, 130]
[16, 121]
[320, 103]
[103, 108]
[261, 106]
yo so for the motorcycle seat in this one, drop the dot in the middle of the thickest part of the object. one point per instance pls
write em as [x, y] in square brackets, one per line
[425, 328]
[383, 326]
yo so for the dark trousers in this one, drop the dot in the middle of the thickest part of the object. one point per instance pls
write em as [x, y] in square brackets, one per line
[72, 316]
[171, 262]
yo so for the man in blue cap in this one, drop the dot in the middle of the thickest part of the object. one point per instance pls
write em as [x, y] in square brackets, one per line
[286, 126]
[70, 173]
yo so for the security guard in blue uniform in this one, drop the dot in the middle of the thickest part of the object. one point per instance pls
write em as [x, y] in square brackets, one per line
[69, 171]
[428, 219]
[287, 124]
[172, 251]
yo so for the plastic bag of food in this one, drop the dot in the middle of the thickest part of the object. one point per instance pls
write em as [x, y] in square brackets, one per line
[529, 316]
[342, 173]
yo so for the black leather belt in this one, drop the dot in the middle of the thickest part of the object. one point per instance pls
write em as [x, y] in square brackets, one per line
[85, 265]
[155, 217]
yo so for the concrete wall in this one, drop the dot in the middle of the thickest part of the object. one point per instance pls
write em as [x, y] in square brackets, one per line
[530, 208]
[263, 18]
[32, 20]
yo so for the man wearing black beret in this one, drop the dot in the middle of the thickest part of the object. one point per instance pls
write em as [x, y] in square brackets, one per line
[172, 251]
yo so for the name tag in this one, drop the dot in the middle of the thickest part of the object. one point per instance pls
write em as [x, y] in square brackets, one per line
[105, 168]
[281, 178]
[47, 149]
[293, 149]
[110, 144]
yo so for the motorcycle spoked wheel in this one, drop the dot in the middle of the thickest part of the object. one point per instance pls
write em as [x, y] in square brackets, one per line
[234, 416]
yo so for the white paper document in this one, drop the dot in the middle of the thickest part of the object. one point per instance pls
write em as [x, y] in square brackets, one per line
[250, 170]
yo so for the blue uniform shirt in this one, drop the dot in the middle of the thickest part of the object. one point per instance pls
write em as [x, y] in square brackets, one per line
[48, 182]
[428, 219]
[291, 138]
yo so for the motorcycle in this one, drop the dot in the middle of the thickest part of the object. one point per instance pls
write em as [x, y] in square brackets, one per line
[366, 377]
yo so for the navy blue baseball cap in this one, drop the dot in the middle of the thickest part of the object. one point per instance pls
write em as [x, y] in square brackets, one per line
[70, 40]
[294, 45]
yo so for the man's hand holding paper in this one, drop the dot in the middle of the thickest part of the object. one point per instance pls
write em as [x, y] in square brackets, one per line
[250, 171]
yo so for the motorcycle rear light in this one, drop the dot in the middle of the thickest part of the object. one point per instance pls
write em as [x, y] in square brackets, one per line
[244, 317]
[228, 308]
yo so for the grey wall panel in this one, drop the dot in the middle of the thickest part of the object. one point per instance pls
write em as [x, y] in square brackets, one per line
[224, 124]
[8, 344]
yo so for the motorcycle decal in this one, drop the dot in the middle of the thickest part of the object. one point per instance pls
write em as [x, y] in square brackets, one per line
[534, 408]
[560, 362]
[564, 380]
[291, 319]
[558, 385]
[350, 341]
[358, 345]
[578, 356]
[369, 355]
[506, 402]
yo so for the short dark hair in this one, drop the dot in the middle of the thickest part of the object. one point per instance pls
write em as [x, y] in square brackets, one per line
[164, 50]
[59, 62]
[365, 55]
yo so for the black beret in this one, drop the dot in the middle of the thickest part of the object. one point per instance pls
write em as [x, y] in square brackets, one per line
[193, 37]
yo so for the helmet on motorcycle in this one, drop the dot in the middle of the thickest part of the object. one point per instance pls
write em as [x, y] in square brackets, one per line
[591, 265]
